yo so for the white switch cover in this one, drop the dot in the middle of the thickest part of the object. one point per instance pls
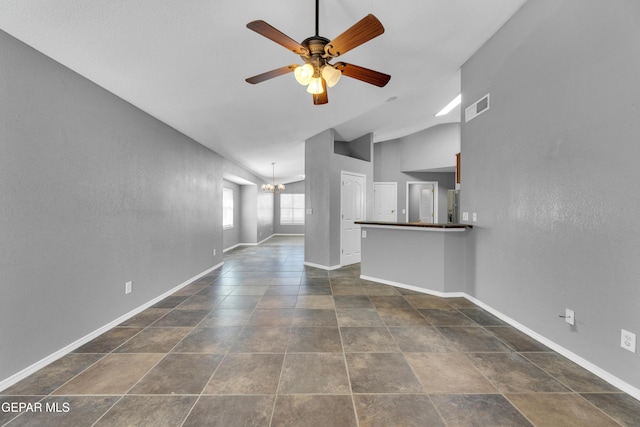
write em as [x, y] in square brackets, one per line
[364, 234]
[465, 216]
[569, 316]
[475, 217]
[404, 211]
[309, 211]
[128, 287]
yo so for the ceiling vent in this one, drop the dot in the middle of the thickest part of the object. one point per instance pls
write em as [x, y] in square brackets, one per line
[477, 108]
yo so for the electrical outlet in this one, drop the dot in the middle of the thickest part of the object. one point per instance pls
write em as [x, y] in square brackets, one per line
[128, 287]
[465, 216]
[214, 252]
[569, 317]
[475, 217]
[628, 340]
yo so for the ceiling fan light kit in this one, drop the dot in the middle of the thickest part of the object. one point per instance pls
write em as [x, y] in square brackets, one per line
[317, 73]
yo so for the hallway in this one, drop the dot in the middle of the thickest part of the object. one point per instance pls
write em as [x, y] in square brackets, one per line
[266, 341]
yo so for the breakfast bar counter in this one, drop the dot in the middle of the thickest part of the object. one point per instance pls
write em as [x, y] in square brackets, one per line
[429, 258]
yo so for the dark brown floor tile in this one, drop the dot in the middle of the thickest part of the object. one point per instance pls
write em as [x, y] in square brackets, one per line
[315, 302]
[148, 411]
[281, 301]
[245, 373]
[448, 373]
[240, 301]
[312, 317]
[427, 301]
[65, 411]
[250, 290]
[345, 281]
[208, 340]
[479, 410]
[368, 340]
[482, 317]
[619, 406]
[358, 317]
[108, 341]
[314, 339]
[407, 410]
[460, 302]
[314, 290]
[170, 301]
[352, 301]
[255, 339]
[402, 317]
[473, 339]
[314, 373]
[227, 317]
[516, 339]
[570, 374]
[315, 280]
[114, 374]
[380, 290]
[312, 411]
[446, 317]
[348, 290]
[192, 288]
[512, 373]
[381, 373]
[52, 376]
[181, 318]
[231, 411]
[154, 340]
[566, 410]
[217, 290]
[201, 302]
[146, 317]
[395, 301]
[282, 291]
[179, 374]
[271, 317]
[404, 291]
[421, 339]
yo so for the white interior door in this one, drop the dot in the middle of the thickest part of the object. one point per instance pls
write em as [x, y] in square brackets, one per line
[426, 204]
[385, 201]
[352, 204]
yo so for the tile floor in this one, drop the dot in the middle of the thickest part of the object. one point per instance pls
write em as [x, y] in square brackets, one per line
[265, 341]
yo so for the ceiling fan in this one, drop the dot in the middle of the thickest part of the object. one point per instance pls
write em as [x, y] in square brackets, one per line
[317, 73]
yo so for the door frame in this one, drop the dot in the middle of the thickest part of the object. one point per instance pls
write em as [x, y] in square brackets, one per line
[435, 198]
[364, 203]
[395, 184]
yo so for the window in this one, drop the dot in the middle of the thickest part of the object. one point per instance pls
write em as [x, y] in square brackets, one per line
[292, 209]
[227, 208]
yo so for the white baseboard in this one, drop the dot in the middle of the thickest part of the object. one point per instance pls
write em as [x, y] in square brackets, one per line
[608, 377]
[259, 243]
[8, 382]
[322, 267]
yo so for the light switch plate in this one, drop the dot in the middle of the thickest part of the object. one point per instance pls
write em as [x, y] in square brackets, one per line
[475, 217]
[364, 234]
[465, 216]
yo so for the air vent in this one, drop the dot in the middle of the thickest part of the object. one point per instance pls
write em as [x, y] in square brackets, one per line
[477, 108]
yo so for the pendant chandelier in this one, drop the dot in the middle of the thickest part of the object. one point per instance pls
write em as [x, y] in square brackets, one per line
[273, 188]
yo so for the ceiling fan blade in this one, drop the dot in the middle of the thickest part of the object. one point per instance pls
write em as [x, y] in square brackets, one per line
[321, 98]
[363, 74]
[271, 74]
[277, 36]
[359, 33]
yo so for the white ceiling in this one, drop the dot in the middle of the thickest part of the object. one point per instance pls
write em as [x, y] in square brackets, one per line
[185, 61]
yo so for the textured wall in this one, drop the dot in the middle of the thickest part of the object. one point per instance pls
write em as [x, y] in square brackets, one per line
[93, 193]
[551, 168]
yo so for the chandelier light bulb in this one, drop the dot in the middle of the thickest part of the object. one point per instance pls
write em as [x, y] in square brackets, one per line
[331, 75]
[303, 74]
[315, 86]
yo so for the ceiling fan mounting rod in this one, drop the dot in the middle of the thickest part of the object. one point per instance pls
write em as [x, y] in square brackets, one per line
[317, 19]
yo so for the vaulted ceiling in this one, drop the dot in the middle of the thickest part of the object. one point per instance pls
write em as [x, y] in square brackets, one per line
[185, 63]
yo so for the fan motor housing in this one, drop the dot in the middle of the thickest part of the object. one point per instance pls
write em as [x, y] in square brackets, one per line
[315, 45]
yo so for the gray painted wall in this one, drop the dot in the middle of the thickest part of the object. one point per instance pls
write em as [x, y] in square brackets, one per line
[388, 159]
[231, 236]
[94, 193]
[322, 194]
[293, 187]
[548, 169]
